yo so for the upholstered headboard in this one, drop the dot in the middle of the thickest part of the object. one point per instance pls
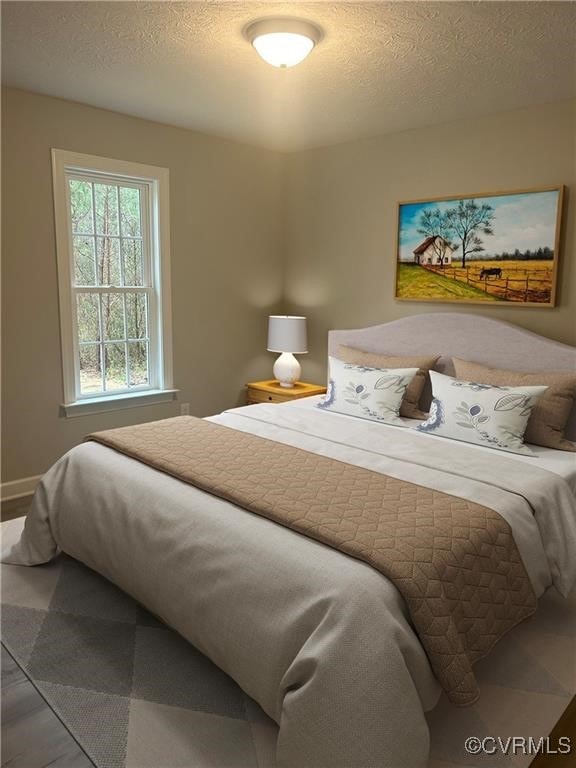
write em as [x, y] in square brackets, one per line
[471, 337]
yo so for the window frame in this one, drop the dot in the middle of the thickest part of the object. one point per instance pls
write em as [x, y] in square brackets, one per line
[154, 181]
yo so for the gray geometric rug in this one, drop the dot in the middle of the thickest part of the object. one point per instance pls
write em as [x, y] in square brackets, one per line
[132, 692]
[136, 695]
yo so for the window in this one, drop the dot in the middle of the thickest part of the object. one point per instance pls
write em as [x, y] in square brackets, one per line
[113, 270]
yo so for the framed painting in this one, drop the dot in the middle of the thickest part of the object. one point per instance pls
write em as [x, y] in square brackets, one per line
[495, 249]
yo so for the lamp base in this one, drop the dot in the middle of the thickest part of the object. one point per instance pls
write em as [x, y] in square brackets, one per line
[287, 370]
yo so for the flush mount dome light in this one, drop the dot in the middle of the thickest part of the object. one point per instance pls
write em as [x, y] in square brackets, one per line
[283, 42]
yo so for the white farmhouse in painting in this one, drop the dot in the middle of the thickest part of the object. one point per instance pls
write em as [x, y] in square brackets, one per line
[434, 250]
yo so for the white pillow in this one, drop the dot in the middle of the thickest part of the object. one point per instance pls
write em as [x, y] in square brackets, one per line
[370, 393]
[495, 417]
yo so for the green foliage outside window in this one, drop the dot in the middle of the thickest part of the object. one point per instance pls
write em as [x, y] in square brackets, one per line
[107, 241]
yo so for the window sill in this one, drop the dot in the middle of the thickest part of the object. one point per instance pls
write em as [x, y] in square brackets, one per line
[118, 402]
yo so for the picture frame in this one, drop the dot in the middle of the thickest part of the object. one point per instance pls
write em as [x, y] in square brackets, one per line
[495, 248]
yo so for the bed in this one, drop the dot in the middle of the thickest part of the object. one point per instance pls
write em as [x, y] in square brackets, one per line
[320, 640]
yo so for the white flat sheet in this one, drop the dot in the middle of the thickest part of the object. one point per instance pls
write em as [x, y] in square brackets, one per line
[561, 463]
[320, 640]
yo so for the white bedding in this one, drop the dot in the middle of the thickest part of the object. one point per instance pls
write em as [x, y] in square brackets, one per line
[320, 640]
[562, 463]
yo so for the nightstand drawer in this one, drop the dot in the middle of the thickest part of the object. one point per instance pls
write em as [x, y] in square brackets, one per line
[272, 392]
[258, 396]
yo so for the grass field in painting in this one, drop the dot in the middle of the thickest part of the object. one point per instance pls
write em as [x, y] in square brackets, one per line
[414, 282]
[520, 280]
[543, 267]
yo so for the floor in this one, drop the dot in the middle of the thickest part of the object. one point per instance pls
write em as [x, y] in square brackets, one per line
[32, 735]
[565, 727]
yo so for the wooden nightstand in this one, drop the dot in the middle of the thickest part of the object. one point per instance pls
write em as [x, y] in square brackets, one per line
[271, 392]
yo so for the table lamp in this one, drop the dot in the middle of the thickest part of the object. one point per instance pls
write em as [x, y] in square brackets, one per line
[287, 335]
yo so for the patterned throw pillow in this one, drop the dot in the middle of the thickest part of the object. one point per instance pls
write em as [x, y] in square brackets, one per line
[549, 418]
[495, 417]
[366, 392]
[410, 407]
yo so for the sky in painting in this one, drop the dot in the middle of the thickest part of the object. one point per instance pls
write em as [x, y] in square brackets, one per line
[524, 221]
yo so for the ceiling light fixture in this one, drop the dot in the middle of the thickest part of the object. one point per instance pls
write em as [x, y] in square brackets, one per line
[283, 42]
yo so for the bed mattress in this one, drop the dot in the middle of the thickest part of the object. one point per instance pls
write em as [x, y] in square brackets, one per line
[319, 639]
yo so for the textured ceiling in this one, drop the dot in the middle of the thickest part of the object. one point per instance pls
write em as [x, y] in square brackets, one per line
[381, 67]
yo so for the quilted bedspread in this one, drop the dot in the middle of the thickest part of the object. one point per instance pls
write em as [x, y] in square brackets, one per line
[454, 561]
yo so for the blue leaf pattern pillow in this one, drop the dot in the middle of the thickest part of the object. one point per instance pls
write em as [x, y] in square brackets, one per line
[369, 393]
[495, 417]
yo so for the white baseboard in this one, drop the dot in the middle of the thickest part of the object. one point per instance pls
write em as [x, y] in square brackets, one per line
[16, 489]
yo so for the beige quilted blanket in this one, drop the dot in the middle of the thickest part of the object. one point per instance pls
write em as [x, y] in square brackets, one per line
[455, 562]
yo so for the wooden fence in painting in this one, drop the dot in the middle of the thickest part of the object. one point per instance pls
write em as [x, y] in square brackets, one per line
[516, 283]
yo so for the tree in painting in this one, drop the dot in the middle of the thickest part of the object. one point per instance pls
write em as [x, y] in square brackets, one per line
[466, 221]
[437, 225]
[463, 222]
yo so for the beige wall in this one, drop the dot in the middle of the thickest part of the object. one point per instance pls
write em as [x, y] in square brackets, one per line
[248, 228]
[342, 216]
[226, 229]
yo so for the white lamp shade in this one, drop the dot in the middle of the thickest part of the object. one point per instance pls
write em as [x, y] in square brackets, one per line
[287, 334]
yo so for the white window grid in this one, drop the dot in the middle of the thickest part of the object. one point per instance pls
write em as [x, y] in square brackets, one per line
[148, 289]
[152, 182]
